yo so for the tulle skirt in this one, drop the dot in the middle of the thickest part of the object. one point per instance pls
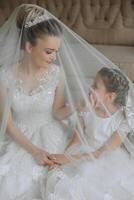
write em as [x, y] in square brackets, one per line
[20, 175]
[110, 177]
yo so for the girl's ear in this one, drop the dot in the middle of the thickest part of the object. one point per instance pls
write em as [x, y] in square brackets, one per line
[28, 47]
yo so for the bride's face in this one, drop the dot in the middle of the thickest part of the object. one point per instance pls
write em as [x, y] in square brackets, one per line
[44, 52]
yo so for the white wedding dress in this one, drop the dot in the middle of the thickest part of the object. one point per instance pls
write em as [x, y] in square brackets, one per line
[110, 177]
[20, 176]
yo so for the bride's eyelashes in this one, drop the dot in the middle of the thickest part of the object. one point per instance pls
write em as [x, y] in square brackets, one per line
[48, 52]
[51, 51]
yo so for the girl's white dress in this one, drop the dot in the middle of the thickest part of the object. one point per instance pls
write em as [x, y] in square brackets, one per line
[20, 176]
[110, 177]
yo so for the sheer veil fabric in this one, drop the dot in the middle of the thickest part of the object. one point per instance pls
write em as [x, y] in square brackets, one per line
[80, 64]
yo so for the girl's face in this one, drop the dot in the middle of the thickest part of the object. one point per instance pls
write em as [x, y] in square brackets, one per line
[100, 94]
[44, 52]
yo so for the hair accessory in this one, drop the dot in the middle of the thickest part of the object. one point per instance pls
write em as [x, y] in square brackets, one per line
[36, 20]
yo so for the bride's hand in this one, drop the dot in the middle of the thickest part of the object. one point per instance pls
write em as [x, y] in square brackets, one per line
[42, 158]
[59, 159]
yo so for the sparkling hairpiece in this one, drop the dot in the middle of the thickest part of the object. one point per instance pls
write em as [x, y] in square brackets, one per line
[114, 72]
[37, 19]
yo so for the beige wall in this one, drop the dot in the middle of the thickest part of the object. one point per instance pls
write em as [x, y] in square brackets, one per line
[97, 21]
[101, 22]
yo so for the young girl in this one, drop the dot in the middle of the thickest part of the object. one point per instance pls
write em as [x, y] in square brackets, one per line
[103, 169]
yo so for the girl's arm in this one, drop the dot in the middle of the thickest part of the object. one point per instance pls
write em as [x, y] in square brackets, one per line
[113, 143]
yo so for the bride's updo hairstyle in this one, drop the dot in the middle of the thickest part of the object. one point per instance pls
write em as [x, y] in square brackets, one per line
[32, 28]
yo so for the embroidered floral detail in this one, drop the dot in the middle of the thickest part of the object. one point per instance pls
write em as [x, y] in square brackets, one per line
[43, 82]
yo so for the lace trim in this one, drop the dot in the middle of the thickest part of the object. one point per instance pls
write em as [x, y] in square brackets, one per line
[40, 87]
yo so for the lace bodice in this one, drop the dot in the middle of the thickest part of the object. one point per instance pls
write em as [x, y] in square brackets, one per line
[34, 107]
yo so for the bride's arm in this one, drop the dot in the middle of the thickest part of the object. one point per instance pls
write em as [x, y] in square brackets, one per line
[60, 110]
[39, 154]
[17, 135]
[20, 138]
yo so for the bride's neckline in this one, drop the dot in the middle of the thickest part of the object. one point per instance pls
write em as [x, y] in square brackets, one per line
[35, 89]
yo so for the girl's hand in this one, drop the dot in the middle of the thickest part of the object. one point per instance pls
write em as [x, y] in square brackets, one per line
[59, 159]
[83, 156]
[93, 100]
[42, 158]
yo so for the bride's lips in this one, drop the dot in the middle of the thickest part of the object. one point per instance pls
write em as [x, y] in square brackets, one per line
[49, 62]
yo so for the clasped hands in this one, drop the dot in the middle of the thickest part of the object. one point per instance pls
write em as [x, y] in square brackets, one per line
[51, 160]
[57, 160]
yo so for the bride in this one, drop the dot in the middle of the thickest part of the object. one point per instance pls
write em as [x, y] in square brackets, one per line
[37, 94]
[44, 68]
